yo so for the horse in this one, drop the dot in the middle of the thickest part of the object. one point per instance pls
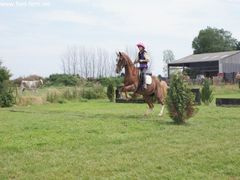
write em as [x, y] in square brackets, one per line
[132, 83]
[30, 85]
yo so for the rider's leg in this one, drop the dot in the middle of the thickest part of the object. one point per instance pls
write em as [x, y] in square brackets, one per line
[144, 78]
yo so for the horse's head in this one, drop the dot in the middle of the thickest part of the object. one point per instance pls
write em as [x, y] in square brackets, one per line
[121, 62]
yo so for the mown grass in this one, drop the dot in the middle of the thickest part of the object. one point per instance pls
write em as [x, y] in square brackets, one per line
[98, 140]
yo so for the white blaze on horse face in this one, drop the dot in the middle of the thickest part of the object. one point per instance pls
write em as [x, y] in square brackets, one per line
[118, 66]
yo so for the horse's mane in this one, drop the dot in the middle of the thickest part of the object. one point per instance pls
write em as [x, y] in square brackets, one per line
[129, 61]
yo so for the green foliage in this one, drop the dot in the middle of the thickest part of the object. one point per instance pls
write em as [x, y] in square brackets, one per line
[6, 90]
[238, 45]
[180, 100]
[72, 93]
[206, 93]
[7, 98]
[115, 81]
[63, 80]
[95, 92]
[214, 40]
[110, 92]
[4, 74]
[53, 96]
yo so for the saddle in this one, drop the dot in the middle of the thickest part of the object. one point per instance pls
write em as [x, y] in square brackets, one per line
[148, 78]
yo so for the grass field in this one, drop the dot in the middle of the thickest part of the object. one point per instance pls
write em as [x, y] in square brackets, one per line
[98, 139]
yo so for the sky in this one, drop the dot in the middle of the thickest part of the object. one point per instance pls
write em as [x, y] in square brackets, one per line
[35, 33]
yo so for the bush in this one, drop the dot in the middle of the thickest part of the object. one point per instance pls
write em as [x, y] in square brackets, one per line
[115, 81]
[6, 88]
[7, 98]
[63, 80]
[53, 96]
[110, 92]
[95, 92]
[180, 100]
[71, 93]
[29, 100]
[206, 93]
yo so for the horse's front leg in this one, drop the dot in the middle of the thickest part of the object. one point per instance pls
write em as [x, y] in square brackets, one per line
[129, 88]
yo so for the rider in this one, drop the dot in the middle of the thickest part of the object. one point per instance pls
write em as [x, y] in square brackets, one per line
[143, 60]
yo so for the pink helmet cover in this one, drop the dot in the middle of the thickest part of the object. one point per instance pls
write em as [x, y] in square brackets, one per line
[141, 44]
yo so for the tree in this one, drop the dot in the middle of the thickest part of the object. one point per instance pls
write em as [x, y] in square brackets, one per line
[206, 93]
[110, 92]
[168, 57]
[214, 40]
[88, 62]
[238, 45]
[6, 91]
[180, 100]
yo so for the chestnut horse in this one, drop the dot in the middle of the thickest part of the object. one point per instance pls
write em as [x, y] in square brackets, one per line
[132, 83]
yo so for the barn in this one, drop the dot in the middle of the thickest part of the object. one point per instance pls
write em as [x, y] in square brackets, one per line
[226, 64]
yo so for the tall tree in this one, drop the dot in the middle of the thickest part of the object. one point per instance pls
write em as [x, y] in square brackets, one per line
[238, 45]
[88, 62]
[168, 57]
[213, 40]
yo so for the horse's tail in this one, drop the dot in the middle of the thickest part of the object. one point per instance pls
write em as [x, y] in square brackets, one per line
[164, 88]
[161, 90]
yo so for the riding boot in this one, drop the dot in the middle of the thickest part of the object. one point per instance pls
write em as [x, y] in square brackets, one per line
[144, 81]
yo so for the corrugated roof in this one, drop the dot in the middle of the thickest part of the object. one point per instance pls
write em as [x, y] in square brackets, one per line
[205, 57]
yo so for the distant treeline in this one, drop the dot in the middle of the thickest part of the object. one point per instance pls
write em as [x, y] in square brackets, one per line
[71, 80]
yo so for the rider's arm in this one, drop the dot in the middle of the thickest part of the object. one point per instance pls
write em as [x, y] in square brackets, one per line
[136, 60]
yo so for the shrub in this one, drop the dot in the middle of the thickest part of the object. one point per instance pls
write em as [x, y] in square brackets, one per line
[53, 96]
[180, 100]
[95, 92]
[7, 98]
[29, 100]
[71, 93]
[63, 79]
[115, 81]
[110, 92]
[206, 92]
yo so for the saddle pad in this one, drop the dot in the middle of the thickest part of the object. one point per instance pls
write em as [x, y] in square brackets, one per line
[148, 79]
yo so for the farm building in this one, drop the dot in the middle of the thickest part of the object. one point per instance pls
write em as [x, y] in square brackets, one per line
[209, 64]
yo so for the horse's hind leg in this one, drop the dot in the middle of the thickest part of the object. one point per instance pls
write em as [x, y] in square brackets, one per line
[159, 95]
[150, 106]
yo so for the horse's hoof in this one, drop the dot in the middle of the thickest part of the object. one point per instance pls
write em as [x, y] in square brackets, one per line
[160, 115]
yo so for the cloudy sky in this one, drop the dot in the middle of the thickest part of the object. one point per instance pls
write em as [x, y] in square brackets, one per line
[35, 33]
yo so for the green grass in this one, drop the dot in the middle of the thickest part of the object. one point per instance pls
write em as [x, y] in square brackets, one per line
[98, 140]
